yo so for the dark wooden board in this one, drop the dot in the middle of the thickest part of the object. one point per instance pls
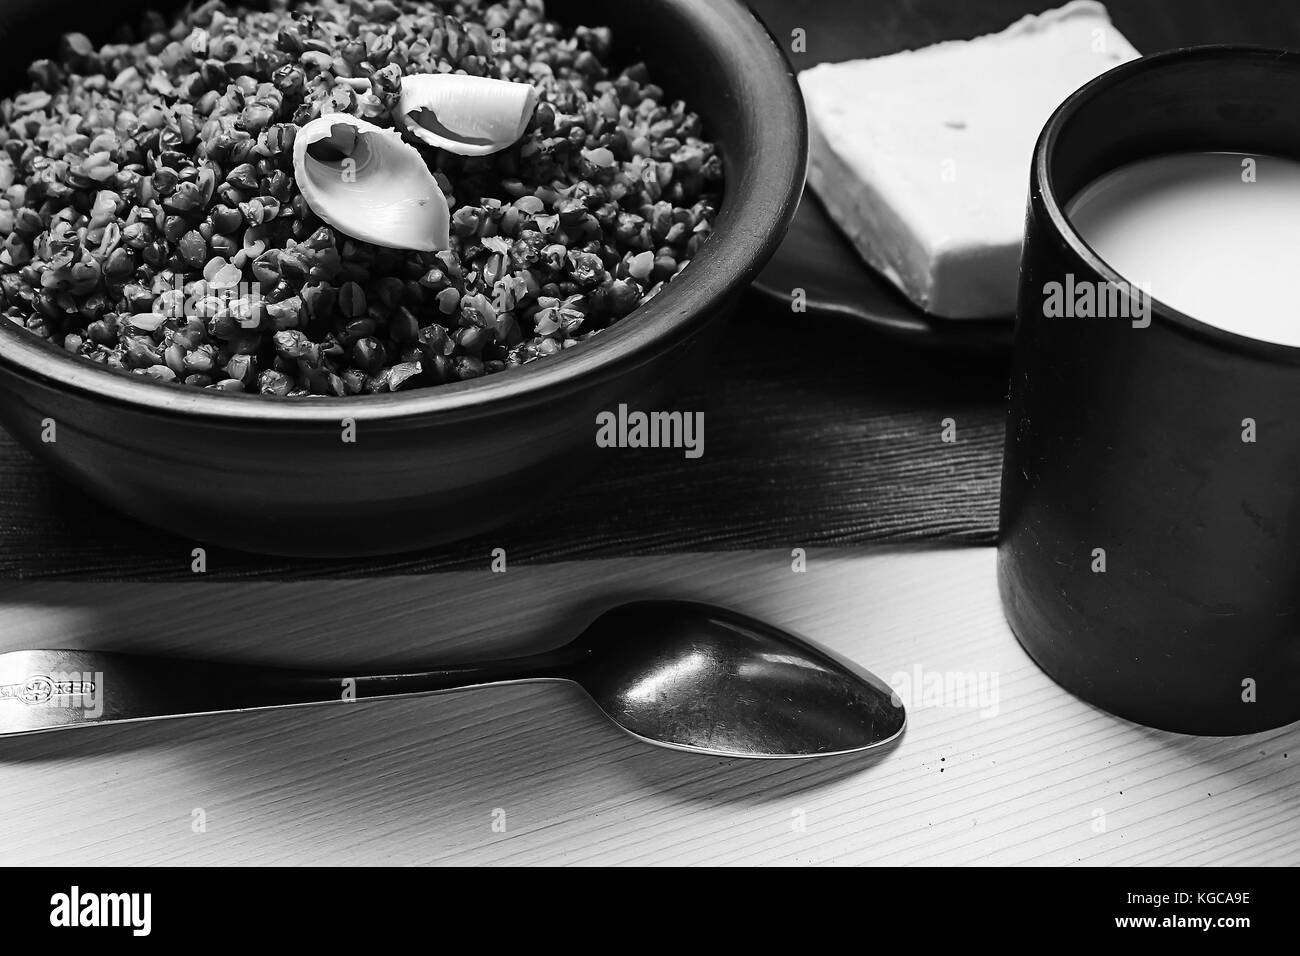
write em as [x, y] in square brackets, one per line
[813, 436]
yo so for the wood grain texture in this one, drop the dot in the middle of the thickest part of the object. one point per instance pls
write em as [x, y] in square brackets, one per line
[849, 29]
[814, 434]
[416, 782]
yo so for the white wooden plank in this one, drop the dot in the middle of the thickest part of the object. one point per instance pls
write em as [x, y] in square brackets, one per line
[416, 782]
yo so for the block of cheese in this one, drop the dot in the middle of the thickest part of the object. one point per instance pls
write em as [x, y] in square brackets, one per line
[922, 157]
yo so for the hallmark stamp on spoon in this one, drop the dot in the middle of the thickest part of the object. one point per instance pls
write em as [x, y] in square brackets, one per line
[42, 689]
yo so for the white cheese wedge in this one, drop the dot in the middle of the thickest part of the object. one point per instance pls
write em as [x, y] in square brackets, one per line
[923, 157]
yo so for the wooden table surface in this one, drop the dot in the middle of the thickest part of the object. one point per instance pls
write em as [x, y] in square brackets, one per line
[1026, 775]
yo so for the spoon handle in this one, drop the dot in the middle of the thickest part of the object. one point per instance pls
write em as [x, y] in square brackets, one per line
[56, 689]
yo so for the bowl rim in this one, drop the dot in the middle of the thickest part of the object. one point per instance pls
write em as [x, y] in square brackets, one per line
[746, 233]
[1044, 158]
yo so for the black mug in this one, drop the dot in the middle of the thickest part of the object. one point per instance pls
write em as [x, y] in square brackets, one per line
[1149, 548]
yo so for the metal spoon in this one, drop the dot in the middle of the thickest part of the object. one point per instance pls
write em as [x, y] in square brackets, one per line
[681, 675]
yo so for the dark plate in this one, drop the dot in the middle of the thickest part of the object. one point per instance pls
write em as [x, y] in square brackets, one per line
[817, 258]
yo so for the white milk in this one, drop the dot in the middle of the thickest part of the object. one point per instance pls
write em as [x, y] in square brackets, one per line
[1215, 235]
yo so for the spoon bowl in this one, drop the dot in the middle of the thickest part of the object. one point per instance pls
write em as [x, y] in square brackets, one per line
[694, 677]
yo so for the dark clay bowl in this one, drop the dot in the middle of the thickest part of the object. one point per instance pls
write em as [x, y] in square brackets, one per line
[431, 465]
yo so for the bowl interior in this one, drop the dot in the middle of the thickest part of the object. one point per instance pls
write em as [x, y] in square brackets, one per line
[717, 56]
